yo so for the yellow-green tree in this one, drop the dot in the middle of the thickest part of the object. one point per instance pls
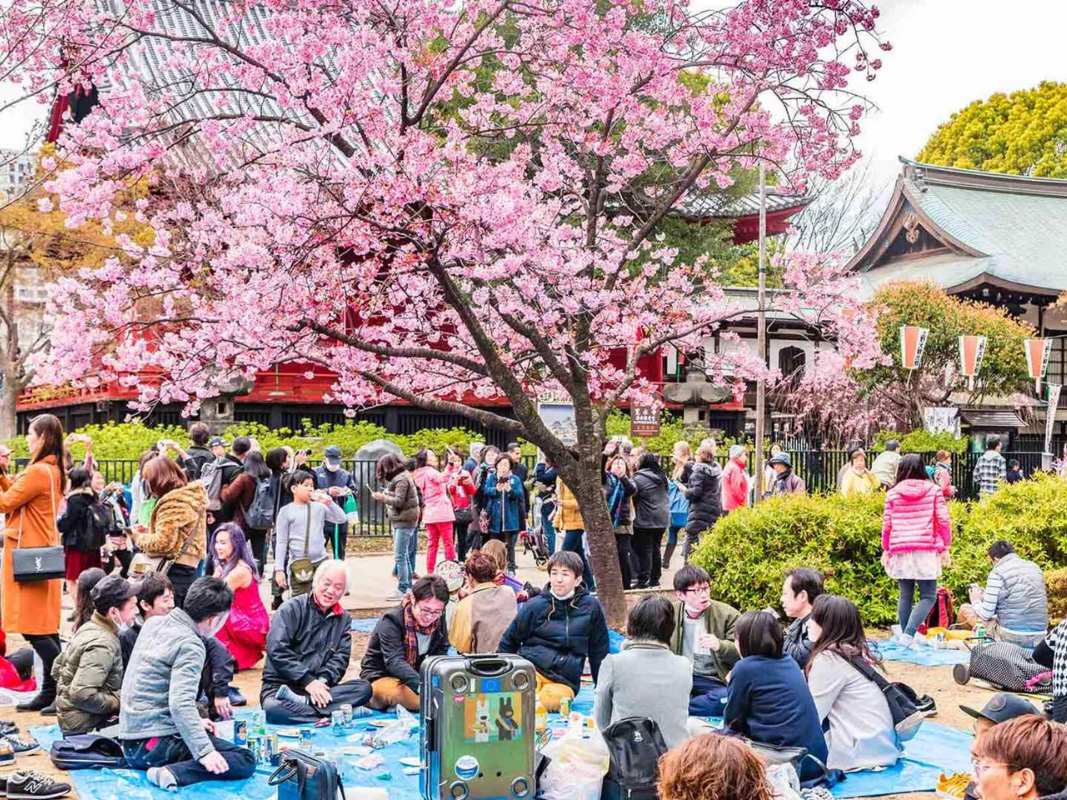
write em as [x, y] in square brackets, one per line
[1022, 133]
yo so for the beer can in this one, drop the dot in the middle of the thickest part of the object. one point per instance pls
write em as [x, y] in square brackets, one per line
[565, 707]
[252, 743]
[240, 732]
[275, 751]
[266, 748]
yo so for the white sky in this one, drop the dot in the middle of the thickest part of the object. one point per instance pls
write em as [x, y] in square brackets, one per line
[948, 53]
[945, 54]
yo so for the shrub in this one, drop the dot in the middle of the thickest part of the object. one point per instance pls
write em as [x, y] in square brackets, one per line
[922, 441]
[749, 550]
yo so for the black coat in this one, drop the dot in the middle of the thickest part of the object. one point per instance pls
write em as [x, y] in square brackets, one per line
[306, 643]
[705, 496]
[385, 656]
[74, 524]
[556, 636]
[195, 458]
[651, 506]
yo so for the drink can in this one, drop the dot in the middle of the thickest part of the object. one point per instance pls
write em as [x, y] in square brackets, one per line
[346, 710]
[275, 751]
[267, 749]
[240, 732]
[565, 707]
[252, 743]
[306, 735]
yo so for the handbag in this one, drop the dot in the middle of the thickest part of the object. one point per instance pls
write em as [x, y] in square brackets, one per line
[635, 745]
[302, 570]
[301, 776]
[142, 563]
[87, 751]
[31, 564]
[907, 708]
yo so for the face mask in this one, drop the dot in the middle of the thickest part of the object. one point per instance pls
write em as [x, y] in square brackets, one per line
[333, 467]
[123, 627]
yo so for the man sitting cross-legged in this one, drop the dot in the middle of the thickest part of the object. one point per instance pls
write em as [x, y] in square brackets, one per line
[308, 648]
[159, 726]
[704, 633]
[402, 640]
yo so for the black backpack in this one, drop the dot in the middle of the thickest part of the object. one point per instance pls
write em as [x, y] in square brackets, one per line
[260, 512]
[906, 706]
[100, 522]
[87, 751]
[635, 745]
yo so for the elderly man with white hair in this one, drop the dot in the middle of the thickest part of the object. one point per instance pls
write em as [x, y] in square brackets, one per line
[735, 480]
[308, 649]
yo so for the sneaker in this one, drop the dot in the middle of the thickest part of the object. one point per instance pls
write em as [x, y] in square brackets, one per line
[236, 698]
[35, 786]
[8, 728]
[163, 778]
[394, 596]
[20, 747]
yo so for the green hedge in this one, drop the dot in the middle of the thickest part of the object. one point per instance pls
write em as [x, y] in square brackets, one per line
[749, 551]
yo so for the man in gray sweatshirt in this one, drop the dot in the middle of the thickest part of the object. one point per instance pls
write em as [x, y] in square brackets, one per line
[159, 726]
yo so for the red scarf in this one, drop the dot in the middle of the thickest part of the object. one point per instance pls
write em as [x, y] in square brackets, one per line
[412, 629]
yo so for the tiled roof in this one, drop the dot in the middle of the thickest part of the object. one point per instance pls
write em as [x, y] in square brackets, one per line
[1007, 230]
[717, 206]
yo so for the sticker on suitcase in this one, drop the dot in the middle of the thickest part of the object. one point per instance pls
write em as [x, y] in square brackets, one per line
[492, 717]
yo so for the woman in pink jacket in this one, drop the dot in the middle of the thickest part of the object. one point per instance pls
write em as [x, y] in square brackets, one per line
[437, 514]
[916, 535]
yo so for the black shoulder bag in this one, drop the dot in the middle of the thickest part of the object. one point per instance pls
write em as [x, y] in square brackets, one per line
[301, 776]
[907, 708]
[32, 564]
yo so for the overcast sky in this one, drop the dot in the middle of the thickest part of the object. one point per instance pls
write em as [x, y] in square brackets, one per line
[945, 54]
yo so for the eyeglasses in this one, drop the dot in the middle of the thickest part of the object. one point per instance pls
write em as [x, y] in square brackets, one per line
[982, 767]
[698, 590]
[429, 612]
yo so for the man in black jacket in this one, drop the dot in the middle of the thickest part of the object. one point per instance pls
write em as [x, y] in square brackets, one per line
[402, 640]
[308, 648]
[198, 454]
[801, 587]
[704, 493]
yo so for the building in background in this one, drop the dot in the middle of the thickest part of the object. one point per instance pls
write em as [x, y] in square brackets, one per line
[16, 170]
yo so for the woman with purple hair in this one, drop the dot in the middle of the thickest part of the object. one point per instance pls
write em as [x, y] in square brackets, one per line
[245, 631]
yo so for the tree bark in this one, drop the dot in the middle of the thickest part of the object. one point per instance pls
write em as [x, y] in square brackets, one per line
[9, 396]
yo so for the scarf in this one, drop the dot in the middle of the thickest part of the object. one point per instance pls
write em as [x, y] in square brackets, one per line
[412, 629]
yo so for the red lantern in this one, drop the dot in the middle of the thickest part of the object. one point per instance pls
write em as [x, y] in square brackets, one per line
[912, 342]
[972, 348]
[1037, 352]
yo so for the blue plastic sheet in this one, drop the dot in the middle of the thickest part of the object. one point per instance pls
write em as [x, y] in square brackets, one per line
[926, 656]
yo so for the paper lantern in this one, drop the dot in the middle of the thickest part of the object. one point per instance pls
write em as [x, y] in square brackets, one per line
[912, 342]
[972, 348]
[1037, 353]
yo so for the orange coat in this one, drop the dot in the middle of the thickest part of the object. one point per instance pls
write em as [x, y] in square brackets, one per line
[31, 501]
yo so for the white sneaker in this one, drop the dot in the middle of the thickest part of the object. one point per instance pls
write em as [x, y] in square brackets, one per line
[905, 641]
[394, 596]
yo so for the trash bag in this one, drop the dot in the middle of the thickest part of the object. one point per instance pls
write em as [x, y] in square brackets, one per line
[578, 762]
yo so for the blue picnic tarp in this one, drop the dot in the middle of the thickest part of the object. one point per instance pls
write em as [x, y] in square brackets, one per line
[923, 656]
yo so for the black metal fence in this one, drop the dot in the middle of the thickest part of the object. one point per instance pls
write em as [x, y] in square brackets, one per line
[818, 468]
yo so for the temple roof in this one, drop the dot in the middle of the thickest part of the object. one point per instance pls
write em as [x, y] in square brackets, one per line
[963, 229]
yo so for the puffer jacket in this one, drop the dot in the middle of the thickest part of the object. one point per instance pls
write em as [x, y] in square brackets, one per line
[556, 636]
[916, 518]
[402, 501]
[88, 677]
[568, 517]
[180, 514]
[704, 493]
[617, 494]
[437, 505]
[306, 642]
[651, 506]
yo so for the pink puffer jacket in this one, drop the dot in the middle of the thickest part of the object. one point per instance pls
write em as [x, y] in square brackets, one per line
[437, 505]
[916, 518]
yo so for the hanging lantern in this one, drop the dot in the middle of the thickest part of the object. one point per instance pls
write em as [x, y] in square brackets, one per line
[972, 348]
[1037, 353]
[912, 342]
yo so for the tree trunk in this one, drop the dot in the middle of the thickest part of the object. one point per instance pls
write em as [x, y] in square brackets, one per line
[600, 536]
[9, 395]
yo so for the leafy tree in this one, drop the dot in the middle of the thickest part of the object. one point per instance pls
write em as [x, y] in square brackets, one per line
[1022, 133]
[1003, 370]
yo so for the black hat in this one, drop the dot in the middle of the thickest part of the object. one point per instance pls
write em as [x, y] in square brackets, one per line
[332, 455]
[111, 592]
[216, 441]
[1002, 707]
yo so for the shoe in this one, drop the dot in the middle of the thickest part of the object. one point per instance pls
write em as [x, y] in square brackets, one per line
[35, 786]
[49, 710]
[22, 747]
[236, 698]
[38, 703]
[8, 728]
[163, 778]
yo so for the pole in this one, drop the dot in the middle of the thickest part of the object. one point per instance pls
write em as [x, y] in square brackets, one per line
[761, 335]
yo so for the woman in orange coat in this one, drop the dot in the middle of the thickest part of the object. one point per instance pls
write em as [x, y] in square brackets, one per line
[29, 503]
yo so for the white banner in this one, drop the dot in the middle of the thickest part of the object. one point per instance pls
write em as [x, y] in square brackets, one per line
[942, 419]
[1050, 413]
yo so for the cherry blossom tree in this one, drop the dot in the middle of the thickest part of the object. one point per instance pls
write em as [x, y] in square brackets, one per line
[441, 202]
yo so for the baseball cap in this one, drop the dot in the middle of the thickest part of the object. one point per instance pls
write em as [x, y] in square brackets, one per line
[216, 441]
[111, 592]
[781, 458]
[1002, 707]
[332, 454]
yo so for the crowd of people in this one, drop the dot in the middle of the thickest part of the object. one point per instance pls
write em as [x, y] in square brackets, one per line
[168, 605]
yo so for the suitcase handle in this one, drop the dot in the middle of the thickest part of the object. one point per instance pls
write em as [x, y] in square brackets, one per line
[488, 667]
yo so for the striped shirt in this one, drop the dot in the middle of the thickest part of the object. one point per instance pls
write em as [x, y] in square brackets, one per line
[989, 472]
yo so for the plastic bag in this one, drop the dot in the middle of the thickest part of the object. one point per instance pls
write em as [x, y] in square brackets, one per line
[784, 782]
[579, 762]
[396, 731]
